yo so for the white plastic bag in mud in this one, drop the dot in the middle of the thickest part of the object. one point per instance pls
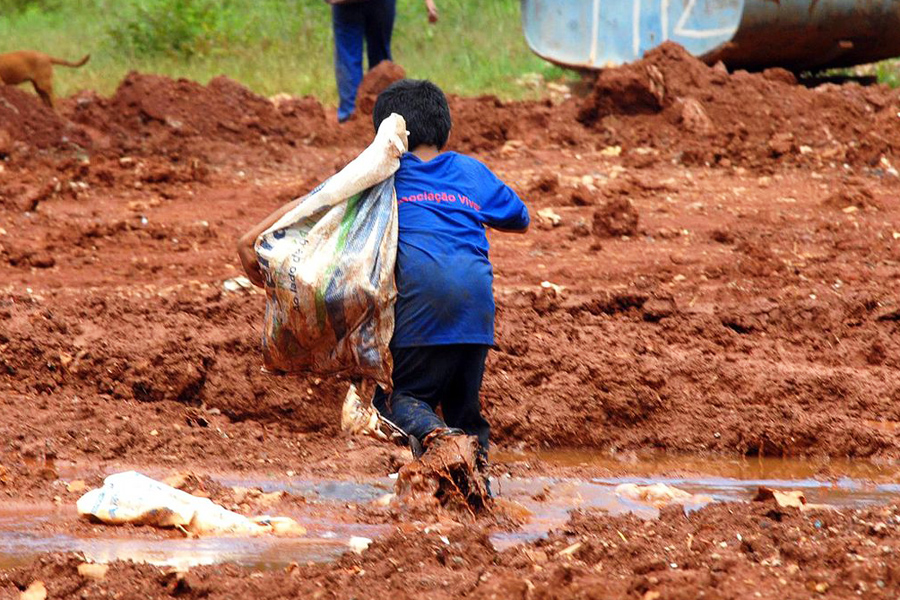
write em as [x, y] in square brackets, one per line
[134, 498]
[329, 270]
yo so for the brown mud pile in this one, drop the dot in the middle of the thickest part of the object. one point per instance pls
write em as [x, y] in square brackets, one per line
[486, 123]
[374, 82]
[671, 101]
[31, 123]
[724, 550]
[154, 132]
[150, 111]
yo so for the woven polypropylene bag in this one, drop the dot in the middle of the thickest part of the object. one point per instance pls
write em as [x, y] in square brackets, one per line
[329, 270]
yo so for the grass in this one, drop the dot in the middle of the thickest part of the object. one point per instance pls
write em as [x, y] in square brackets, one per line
[271, 46]
[888, 71]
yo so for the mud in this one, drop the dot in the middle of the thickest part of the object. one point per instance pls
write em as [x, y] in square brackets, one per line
[543, 505]
[374, 82]
[616, 218]
[705, 115]
[748, 311]
[728, 551]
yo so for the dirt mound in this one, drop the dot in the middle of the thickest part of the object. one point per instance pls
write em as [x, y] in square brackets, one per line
[487, 123]
[616, 218]
[23, 118]
[375, 82]
[671, 100]
[157, 111]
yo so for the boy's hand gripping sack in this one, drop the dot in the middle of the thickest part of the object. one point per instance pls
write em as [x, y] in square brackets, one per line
[329, 270]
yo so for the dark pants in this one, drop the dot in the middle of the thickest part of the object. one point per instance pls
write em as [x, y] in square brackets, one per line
[426, 377]
[373, 21]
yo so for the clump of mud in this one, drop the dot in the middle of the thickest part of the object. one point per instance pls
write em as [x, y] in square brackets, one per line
[616, 218]
[374, 82]
[449, 475]
[23, 118]
[853, 195]
[705, 114]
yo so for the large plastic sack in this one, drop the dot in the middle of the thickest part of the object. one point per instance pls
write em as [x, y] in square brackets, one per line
[130, 497]
[329, 270]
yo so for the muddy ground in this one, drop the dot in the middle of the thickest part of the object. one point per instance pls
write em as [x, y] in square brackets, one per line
[725, 269]
[755, 551]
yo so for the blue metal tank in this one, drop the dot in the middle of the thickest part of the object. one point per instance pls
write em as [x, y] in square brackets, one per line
[748, 34]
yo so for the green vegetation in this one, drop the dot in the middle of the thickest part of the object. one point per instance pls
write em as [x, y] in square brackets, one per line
[269, 45]
[885, 71]
[888, 71]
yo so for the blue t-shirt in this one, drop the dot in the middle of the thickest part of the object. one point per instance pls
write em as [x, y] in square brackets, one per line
[444, 276]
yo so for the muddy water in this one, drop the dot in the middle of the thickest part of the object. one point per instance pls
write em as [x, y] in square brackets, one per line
[549, 499]
[546, 501]
[22, 538]
[653, 464]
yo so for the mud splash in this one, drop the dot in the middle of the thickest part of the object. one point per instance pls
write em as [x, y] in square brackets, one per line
[447, 476]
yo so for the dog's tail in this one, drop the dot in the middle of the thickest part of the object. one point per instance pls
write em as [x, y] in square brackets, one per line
[65, 63]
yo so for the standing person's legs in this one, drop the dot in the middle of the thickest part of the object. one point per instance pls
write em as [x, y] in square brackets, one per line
[420, 377]
[379, 28]
[348, 21]
[461, 402]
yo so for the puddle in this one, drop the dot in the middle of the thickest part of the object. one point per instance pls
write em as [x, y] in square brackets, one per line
[22, 538]
[321, 491]
[563, 495]
[19, 547]
[859, 484]
[549, 499]
[653, 464]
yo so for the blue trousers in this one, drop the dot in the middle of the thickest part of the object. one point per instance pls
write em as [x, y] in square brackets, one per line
[372, 21]
[428, 377]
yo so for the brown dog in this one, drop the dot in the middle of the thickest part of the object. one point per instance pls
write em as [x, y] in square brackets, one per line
[19, 67]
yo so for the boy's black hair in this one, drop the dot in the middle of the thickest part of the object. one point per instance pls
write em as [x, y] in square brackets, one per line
[424, 107]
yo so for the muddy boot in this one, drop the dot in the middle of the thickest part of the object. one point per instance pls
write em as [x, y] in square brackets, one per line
[446, 475]
[438, 434]
[361, 418]
[418, 447]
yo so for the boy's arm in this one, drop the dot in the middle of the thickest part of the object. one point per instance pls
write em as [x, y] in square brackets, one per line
[245, 244]
[507, 212]
[503, 210]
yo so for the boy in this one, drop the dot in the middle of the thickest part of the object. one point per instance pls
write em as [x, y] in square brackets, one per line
[445, 305]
